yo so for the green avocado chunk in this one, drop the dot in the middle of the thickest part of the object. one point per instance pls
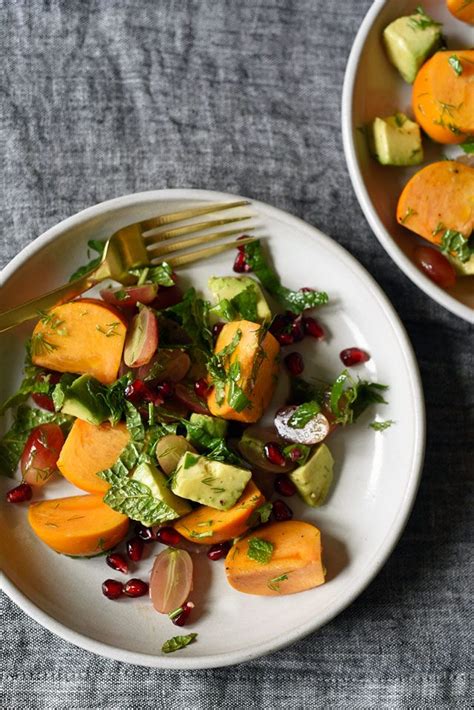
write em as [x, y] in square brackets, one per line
[172, 506]
[463, 268]
[208, 482]
[82, 400]
[214, 427]
[409, 42]
[230, 290]
[313, 479]
[395, 140]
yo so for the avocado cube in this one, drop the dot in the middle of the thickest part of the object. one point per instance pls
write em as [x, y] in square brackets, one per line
[83, 399]
[409, 42]
[395, 140]
[213, 483]
[227, 288]
[211, 427]
[463, 268]
[313, 479]
[172, 506]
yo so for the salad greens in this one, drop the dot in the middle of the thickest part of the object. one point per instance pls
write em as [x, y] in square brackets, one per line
[177, 642]
[260, 550]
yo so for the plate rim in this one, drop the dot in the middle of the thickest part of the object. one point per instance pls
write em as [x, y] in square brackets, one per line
[406, 503]
[421, 281]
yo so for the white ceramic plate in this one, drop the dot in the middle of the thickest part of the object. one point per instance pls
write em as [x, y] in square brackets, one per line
[376, 473]
[373, 87]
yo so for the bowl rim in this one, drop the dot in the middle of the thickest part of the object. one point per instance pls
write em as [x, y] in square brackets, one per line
[392, 536]
[383, 235]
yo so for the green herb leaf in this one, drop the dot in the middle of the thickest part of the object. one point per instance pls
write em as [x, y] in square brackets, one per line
[468, 145]
[13, 442]
[260, 550]
[130, 456]
[264, 512]
[245, 303]
[135, 499]
[455, 64]
[348, 403]
[295, 301]
[177, 642]
[304, 391]
[35, 381]
[93, 245]
[423, 21]
[274, 584]
[192, 314]
[161, 274]
[304, 452]
[221, 374]
[303, 414]
[453, 242]
[381, 426]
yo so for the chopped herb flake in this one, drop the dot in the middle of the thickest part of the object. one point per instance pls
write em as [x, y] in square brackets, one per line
[177, 642]
[260, 550]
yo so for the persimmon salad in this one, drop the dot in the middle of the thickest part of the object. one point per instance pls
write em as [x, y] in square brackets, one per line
[437, 202]
[149, 401]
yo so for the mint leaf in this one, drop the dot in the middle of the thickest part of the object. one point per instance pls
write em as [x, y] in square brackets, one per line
[381, 426]
[161, 274]
[135, 499]
[93, 245]
[304, 414]
[13, 442]
[455, 64]
[35, 381]
[260, 550]
[245, 303]
[129, 457]
[295, 301]
[264, 512]
[177, 642]
[453, 242]
[468, 145]
[348, 402]
[192, 313]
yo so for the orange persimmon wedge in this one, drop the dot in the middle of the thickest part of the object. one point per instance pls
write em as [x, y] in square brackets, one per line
[462, 9]
[80, 525]
[295, 563]
[209, 526]
[83, 337]
[89, 449]
[443, 100]
[258, 362]
[436, 198]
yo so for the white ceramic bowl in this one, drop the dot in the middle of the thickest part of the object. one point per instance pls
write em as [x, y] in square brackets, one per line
[376, 473]
[373, 87]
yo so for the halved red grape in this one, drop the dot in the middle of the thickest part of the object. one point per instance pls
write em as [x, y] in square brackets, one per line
[142, 338]
[435, 266]
[187, 396]
[129, 296]
[171, 579]
[41, 452]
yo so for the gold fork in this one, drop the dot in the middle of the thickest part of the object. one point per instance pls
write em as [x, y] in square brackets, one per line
[138, 245]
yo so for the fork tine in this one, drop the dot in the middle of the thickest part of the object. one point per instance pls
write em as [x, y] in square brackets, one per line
[189, 213]
[150, 237]
[195, 241]
[183, 259]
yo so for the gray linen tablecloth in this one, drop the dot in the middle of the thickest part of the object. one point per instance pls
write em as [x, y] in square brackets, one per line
[105, 97]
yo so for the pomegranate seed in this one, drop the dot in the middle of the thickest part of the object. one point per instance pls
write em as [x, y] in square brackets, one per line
[294, 364]
[243, 236]
[135, 548]
[117, 562]
[240, 263]
[145, 534]
[281, 511]
[314, 329]
[284, 486]
[165, 390]
[135, 588]
[435, 266]
[297, 330]
[112, 589]
[353, 356]
[217, 552]
[306, 289]
[202, 388]
[168, 536]
[44, 401]
[294, 454]
[137, 391]
[285, 338]
[20, 494]
[274, 454]
[216, 330]
[181, 619]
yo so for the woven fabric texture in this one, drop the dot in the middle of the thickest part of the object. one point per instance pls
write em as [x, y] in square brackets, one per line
[105, 97]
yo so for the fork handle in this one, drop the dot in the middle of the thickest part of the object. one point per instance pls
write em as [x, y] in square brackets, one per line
[31, 309]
